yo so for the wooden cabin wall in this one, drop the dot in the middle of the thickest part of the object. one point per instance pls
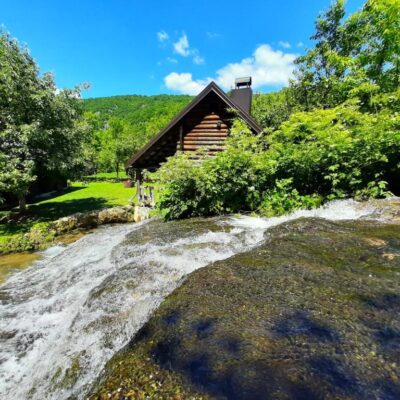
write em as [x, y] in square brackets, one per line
[207, 128]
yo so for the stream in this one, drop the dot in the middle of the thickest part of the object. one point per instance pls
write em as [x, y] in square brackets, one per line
[63, 317]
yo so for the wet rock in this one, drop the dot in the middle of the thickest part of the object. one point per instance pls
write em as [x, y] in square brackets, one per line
[297, 317]
[375, 242]
[141, 213]
[66, 224]
[390, 256]
[88, 220]
[116, 214]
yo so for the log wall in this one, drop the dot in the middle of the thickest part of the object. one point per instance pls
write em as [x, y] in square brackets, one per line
[207, 128]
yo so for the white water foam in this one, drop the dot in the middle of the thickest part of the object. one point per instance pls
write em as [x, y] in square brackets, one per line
[65, 316]
[337, 210]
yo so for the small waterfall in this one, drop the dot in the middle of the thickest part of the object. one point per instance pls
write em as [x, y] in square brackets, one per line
[62, 318]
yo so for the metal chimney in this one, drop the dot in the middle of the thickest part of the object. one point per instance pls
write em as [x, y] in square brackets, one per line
[242, 93]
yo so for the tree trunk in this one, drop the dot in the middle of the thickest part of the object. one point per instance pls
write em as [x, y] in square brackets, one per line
[22, 203]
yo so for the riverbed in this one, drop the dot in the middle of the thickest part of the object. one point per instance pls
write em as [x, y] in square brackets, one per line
[66, 319]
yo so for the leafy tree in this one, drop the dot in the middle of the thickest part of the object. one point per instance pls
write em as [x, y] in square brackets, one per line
[116, 145]
[17, 166]
[271, 109]
[322, 69]
[357, 57]
[40, 129]
[373, 38]
[92, 146]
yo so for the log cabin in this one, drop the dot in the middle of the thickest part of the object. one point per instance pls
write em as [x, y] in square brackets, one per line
[204, 124]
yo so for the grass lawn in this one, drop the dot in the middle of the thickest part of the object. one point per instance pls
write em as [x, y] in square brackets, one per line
[79, 197]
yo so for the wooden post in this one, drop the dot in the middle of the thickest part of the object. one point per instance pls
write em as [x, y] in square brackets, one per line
[181, 136]
[152, 199]
[138, 185]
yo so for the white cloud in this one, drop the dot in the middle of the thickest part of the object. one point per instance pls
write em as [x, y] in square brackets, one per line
[300, 44]
[285, 45]
[182, 46]
[198, 59]
[267, 67]
[184, 83]
[162, 36]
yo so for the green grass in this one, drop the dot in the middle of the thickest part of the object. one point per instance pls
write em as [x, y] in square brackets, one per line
[109, 193]
[79, 197]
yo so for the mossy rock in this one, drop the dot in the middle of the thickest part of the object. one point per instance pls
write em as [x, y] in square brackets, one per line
[116, 214]
[313, 313]
[65, 224]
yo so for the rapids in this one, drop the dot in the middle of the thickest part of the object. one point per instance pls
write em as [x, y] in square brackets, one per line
[66, 315]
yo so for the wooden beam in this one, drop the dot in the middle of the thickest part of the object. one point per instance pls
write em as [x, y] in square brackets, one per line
[202, 140]
[207, 148]
[207, 134]
[181, 136]
[138, 173]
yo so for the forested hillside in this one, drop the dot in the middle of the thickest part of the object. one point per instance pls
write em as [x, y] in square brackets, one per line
[136, 110]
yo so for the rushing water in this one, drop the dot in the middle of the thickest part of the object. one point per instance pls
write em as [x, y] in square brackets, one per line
[63, 317]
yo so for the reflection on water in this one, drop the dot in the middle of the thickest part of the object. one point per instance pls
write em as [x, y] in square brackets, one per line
[13, 262]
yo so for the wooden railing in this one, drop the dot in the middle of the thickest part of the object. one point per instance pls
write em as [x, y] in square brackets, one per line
[145, 196]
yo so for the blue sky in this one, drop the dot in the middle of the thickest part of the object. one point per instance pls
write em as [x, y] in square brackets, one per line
[151, 47]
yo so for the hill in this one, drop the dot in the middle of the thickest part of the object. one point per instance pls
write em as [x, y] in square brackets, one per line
[136, 110]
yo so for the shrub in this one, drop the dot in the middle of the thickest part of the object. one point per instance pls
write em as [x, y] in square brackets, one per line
[283, 198]
[338, 152]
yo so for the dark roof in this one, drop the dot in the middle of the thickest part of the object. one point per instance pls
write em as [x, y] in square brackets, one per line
[211, 87]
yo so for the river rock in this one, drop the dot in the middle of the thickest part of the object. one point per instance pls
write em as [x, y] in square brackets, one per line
[66, 224]
[116, 214]
[141, 213]
[88, 220]
[100, 217]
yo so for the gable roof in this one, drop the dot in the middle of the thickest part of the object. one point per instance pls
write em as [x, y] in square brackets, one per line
[211, 87]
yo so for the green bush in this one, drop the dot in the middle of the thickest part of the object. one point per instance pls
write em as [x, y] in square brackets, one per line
[283, 198]
[338, 152]
[270, 110]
